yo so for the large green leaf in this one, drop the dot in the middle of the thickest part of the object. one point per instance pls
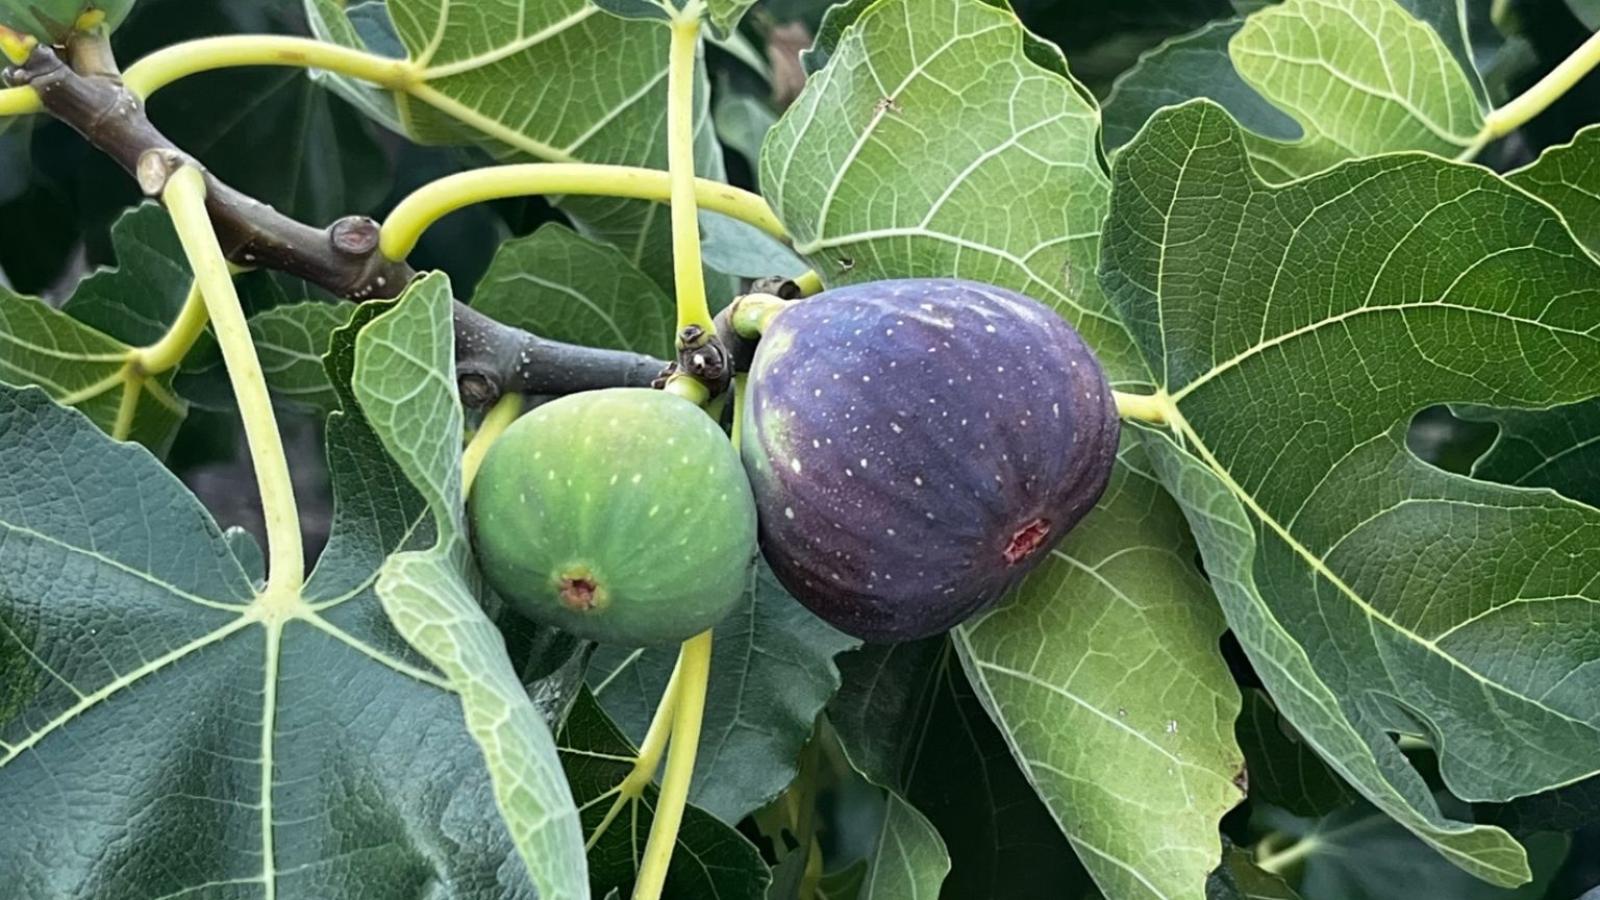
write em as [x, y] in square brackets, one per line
[1568, 178]
[404, 381]
[944, 148]
[1103, 673]
[1295, 331]
[772, 671]
[908, 720]
[160, 736]
[551, 80]
[563, 286]
[711, 859]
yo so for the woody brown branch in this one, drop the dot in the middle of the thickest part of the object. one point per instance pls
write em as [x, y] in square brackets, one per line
[343, 258]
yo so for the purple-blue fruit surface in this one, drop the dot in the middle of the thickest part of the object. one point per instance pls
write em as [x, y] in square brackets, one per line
[916, 446]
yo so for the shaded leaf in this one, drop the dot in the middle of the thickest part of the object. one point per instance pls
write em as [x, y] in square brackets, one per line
[909, 862]
[1362, 854]
[566, 287]
[1451, 286]
[1192, 65]
[710, 859]
[772, 670]
[290, 340]
[137, 300]
[1238, 878]
[1555, 448]
[909, 721]
[1283, 770]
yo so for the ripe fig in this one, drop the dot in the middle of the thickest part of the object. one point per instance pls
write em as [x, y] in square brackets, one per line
[916, 446]
[619, 515]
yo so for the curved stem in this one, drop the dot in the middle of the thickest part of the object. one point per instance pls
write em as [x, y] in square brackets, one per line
[1143, 407]
[173, 346]
[1535, 100]
[434, 200]
[185, 199]
[1279, 861]
[19, 101]
[694, 668]
[688, 276]
[809, 283]
[495, 422]
[169, 64]
[178, 61]
[752, 313]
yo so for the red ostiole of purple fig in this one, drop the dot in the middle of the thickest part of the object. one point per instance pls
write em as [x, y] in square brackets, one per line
[917, 446]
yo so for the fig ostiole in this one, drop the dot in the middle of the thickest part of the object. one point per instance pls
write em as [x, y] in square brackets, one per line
[619, 515]
[917, 446]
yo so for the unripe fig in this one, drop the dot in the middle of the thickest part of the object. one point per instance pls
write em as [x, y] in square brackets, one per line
[620, 515]
[916, 446]
[53, 21]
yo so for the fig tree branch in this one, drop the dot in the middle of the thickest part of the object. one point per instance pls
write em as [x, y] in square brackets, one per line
[344, 258]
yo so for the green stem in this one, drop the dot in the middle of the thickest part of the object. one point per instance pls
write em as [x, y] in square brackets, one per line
[1535, 100]
[688, 276]
[694, 666]
[1279, 861]
[173, 346]
[185, 199]
[752, 314]
[1151, 408]
[809, 283]
[431, 202]
[495, 422]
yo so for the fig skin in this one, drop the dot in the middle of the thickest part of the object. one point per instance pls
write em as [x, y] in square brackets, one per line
[917, 446]
[619, 515]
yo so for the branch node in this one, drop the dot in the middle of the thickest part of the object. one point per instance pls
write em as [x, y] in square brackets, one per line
[477, 389]
[702, 355]
[155, 166]
[355, 236]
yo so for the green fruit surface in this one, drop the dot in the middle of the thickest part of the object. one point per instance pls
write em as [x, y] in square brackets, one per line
[51, 21]
[620, 515]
